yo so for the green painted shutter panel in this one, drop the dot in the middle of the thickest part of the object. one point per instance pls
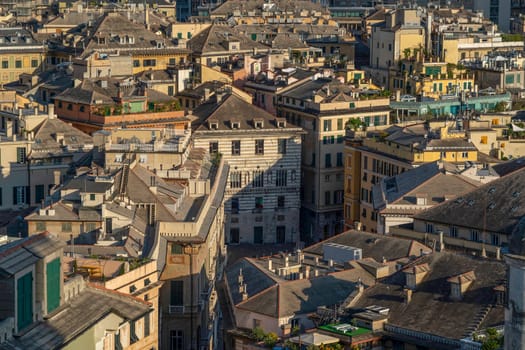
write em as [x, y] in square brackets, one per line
[53, 284]
[24, 286]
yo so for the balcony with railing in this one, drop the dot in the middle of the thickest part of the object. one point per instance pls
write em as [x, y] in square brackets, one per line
[185, 309]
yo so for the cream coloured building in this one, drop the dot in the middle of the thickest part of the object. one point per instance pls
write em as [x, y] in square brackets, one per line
[323, 107]
[36, 151]
[264, 153]
[390, 40]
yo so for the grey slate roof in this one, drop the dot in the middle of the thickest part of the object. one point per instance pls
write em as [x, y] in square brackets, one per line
[214, 40]
[87, 184]
[373, 245]
[256, 280]
[276, 297]
[431, 310]
[324, 87]
[69, 321]
[64, 212]
[233, 108]
[45, 144]
[422, 138]
[228, 7]
[114, 26]
[18, 255]
[507, 167]
[494, 207]
[427, 180]
[93, 91]
[16, 39]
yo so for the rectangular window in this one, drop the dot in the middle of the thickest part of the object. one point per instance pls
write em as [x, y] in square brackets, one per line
[327, 198]
[236, 148]
[258, 235]
[280, 234]
[280, 201]
[20, 195]
[24, 291]
[21, 154]
[258, 178]
[136, 63]
[176, 249]
[18, 64]
[313, 159]
[259, 202]
[34, 63]
[235, 205]
[474, 235]
[147, 325]
[281, 146]
[464, 154]
[327, 125]
[339, 159]
[5, 64]
[177, 293]
[429, 228]
[171, 90]
[91, 226]
[214, 147]
[109, 225]
[53, 284]
[66, 227]
[259, 147]
[235, 179]
[39, 193]
[339, 124]
[338, 197]
[176, 340]
[494, 239]
[281, 178]
[41, 226]
[234, 235]
[149, 63]
[453, 231]
[328, 160]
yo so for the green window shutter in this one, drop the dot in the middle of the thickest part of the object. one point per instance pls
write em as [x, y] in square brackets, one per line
[53, 284]
[24, 290]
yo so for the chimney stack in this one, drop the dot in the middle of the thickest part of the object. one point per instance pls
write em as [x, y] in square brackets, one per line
[240, 278]
[50, 111]
[407, 294]
[270, 264]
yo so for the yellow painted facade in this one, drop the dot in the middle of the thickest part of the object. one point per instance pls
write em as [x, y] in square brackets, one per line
[431, 79]
[370, 159]
[12, 65]
[157, 59]
[456, 49]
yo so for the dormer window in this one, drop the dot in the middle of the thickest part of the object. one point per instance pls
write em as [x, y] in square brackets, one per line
[213, 124]
[414, 275]
[281, 122]
[258, 123]
[235, 124]
[460, 283]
